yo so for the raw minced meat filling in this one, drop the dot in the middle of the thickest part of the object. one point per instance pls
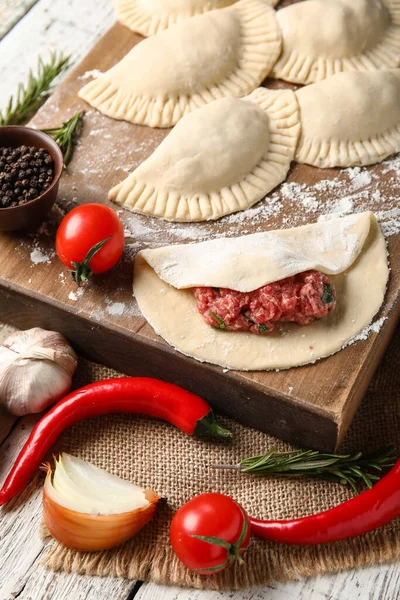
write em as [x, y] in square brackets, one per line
[299, 299]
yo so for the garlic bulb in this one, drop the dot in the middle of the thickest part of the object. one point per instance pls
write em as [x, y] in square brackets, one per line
[87, 508]
[36, 368]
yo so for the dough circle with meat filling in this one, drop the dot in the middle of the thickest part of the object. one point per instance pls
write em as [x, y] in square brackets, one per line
[350, 250]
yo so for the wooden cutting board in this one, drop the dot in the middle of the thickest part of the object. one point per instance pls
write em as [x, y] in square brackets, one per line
[310, 406]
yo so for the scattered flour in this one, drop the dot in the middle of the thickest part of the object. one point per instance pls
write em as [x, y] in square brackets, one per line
[96, 131]
[39, 256]
[358, 178]
[289, 205]
[389, 220]
[90, 74]
[116, 308]
[74, 296]
[374, 327]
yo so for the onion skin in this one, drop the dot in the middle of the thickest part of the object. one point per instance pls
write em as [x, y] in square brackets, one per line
[86, 532]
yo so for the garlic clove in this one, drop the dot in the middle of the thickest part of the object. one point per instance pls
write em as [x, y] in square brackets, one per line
[88, 509]
[36, 369]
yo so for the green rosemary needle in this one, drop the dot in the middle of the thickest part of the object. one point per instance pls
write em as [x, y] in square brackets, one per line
[66, 135]
[34, 93]
[347, 469]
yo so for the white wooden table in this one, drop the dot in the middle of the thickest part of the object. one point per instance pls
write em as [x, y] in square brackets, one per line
[73, 26]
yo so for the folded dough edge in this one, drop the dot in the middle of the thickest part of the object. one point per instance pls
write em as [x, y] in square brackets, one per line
[360, 280]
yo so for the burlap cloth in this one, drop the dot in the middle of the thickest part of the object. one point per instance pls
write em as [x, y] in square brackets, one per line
[156, 455]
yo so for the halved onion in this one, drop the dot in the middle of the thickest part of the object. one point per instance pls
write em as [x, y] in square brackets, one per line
[86, 508]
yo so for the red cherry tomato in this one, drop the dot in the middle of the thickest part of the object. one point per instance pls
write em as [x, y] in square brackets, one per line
[90, 239]
[210, 532]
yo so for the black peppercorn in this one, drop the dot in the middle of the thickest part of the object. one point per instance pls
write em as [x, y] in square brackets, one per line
[25, 173]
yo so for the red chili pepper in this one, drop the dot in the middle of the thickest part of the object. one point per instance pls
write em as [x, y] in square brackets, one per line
[367, 511]
[141, 395]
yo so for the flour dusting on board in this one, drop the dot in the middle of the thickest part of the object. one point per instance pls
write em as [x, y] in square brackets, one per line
[373, 327]
[291, 204]
[93, 74]
[39, 256]
[116, 308]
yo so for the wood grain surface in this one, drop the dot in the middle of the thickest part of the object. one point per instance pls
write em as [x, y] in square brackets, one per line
[74, 25]
[310, 406]
[22, 549]
[11, 11]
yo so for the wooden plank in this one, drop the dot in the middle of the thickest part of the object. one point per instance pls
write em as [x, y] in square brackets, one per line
[375, 583]
[63, 586]
[11, 11]
[6, 420]
[19, 525]
[71, 27]
[20, 519]
[22, 548]
[309, 406]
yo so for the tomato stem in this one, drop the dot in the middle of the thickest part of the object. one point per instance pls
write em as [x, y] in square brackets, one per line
[233, 550]
[82, 271]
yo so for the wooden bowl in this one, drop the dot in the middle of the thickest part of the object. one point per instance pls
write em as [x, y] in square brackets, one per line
[33, 213]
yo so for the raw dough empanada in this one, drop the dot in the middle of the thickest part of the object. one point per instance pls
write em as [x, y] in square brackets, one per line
[351, 250]
[324, 37]
[152, 16]
[350, 119]
[219, 159]
[223, 53]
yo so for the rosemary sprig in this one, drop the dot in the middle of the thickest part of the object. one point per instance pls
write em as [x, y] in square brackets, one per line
[347, 469]
[66, 135]
[34, 93]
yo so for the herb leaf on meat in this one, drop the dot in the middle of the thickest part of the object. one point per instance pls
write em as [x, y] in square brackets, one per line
[327, 294]
[218, 319]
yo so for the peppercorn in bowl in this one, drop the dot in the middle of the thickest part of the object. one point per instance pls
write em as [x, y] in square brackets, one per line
[31, 164]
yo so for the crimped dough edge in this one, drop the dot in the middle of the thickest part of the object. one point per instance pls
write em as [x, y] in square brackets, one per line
[257, 57]
[297, 68]
[344, 153]
[284, 122]
[147, 24]
[132, 16]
